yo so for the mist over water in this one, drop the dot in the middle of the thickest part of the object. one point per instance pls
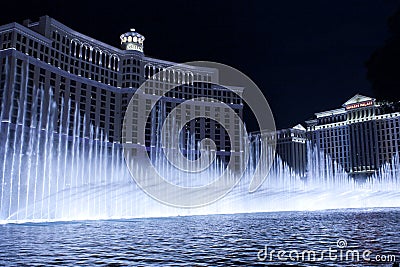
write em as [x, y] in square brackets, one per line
[72, 172]
[50, 176]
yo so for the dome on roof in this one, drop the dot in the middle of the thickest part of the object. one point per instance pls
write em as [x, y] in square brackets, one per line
[132, 40]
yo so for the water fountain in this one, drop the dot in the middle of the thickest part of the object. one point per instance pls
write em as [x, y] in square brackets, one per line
[47, 175]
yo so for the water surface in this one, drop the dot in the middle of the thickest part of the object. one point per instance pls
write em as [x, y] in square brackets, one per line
[215, 240]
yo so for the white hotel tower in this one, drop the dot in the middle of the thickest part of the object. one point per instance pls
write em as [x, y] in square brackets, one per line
[99, 81]
[362, 135]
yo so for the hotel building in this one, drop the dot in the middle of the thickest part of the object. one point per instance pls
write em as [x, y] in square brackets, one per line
[290, 146]
[98, 81]
[361, 136]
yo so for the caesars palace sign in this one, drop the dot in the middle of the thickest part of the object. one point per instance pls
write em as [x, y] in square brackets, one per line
[360, 105]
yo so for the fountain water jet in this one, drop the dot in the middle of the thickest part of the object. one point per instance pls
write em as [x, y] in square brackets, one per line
[48, 175]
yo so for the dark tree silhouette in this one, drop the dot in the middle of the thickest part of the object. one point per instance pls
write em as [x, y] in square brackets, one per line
[384, 64]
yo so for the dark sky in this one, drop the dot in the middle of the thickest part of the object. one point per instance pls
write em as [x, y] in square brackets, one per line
[306, 56]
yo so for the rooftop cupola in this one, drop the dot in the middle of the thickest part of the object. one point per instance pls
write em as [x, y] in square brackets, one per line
[132, 40]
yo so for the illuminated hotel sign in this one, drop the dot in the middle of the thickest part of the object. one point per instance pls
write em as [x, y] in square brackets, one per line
[132, 46]
[360, 105]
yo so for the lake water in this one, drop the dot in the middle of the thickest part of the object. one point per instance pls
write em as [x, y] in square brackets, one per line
[215, 240]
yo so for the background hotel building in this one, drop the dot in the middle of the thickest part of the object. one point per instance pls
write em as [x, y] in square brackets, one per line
[291, 146]
[362, 135]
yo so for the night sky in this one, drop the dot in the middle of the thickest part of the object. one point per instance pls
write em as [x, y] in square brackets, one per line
[306, 56]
